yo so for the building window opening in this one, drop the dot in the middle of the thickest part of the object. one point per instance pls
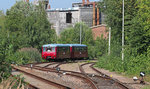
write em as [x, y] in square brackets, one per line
[68, 17]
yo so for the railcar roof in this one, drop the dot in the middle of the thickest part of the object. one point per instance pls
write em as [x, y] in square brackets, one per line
[62, 45]
[55, 45]
[81, 45]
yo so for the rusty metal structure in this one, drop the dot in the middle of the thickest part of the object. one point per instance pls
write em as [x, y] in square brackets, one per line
[96, 12]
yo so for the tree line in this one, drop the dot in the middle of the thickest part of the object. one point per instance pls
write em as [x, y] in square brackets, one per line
[23, 30]
[137, 34]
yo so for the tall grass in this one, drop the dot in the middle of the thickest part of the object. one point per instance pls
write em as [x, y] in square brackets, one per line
[11, 83]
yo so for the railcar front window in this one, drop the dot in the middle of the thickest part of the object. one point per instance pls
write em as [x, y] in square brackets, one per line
[49, 49]
[44, 49]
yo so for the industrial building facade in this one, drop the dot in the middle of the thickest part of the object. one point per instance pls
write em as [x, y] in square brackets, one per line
[61, 19]
[86, 12]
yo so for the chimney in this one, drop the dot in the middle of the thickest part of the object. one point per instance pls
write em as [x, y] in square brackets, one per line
[27, 0]
[83, 2]
[88, 2]
[49, 7]
[94, 17]
[97, 16]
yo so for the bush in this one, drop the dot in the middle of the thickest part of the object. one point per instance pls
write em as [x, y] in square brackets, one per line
[131, 65]
[26, 55]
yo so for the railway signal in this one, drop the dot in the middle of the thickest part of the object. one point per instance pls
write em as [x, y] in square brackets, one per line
[31, 66]
[142, 75]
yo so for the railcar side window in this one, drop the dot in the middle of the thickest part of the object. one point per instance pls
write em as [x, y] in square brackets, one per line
[68, 49]
[53, 49]
[62, 49]
[84, 49]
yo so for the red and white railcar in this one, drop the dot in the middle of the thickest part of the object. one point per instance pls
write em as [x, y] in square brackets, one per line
[64, 51]
[55, 51]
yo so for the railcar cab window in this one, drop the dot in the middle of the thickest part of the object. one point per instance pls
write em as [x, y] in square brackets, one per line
[44, 49]
[49, 49]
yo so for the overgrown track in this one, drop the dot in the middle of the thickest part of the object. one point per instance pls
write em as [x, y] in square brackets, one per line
[41, 79]
[101, 80]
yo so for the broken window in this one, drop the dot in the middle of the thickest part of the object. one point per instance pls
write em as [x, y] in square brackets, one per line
[68, 17]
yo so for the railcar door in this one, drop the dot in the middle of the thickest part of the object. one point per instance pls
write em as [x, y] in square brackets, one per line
[76, 52]
[80, 52]
[84, 52]
[44, 52]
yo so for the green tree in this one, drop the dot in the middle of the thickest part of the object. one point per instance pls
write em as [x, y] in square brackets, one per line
[4, 66]
[28, 26]
[72, 35]
[139, 33]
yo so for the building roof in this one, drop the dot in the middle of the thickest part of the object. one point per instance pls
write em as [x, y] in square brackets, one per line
[63, 9]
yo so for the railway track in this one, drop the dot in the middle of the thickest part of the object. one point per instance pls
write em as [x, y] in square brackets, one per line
[30, 86]
[102, 81]
[69, 73]
[59, 86]
[93, 81]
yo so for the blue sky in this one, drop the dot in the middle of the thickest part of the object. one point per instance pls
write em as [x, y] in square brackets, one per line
[6, 4]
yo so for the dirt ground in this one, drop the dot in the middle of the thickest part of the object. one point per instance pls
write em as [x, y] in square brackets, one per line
[124, 79]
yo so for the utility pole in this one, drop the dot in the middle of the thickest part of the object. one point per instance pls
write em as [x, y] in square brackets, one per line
[80, 35]
[123, 31]
[109, 40]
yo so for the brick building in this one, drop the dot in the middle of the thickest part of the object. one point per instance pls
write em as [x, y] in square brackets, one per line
[100, 31]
